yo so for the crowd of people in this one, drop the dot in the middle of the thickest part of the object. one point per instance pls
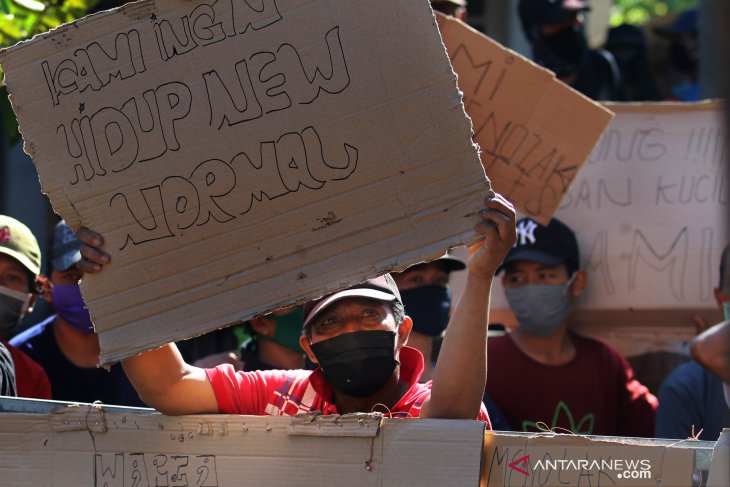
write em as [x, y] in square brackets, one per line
[623, 69]
[397, 344]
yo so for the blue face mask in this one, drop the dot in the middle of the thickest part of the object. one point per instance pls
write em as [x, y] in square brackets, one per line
[428, 307]
[540, 308]
[726, 309]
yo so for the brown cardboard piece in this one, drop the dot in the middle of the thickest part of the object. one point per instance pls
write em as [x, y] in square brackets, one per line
[238, 159]
[534, 131]
[79, 447]
[551, 460]
[649, 210]
[96, 446]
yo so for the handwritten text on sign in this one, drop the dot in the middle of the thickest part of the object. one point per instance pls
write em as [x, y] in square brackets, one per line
[534, 132]
[236, 148]
[142, 129]
[649, 209]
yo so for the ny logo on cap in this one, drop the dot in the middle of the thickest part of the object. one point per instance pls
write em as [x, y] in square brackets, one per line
[5, 236]
[526, 232]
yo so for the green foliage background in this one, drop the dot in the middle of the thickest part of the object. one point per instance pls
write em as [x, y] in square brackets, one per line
[641, 11]
[22, 19]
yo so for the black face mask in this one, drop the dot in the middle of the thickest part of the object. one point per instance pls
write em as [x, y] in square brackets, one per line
[360, 363]
[429, 307]
[568, 44]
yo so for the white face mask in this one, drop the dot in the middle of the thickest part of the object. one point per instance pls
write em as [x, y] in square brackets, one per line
[14, 305]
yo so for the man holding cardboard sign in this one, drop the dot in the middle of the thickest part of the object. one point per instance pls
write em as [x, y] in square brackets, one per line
[358, 338]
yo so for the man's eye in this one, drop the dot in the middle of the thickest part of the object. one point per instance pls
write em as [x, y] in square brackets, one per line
[328, 322]
[369, 313]
[12, 278]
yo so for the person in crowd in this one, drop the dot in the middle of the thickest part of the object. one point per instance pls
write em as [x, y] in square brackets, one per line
[214, 348]
[20, 267]
[627, 43]
[7, 373]
[266, 342]
[274, 341]
[555, 29]
[357, 337]
[454, 8]
[684, 55]
[543, 373]
[691, 399]
[65, 344]
[427, 299]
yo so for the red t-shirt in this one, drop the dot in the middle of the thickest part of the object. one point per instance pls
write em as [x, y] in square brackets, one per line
[290, 392]
[30, 378]
[595, 393]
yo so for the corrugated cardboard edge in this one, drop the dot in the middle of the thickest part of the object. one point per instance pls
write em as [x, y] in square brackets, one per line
[720, 466]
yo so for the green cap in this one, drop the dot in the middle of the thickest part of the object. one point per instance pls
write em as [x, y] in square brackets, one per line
[17, 241]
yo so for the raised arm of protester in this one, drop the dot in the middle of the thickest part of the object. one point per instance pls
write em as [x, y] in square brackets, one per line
[357, 337]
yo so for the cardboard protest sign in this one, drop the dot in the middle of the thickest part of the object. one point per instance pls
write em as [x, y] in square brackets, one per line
[534, 131]
[95, 448]
[553, 460]
[241, 156]
[649, 210]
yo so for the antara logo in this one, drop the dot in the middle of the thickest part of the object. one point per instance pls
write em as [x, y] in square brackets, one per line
[5, 236]
[526, 232]
[522, 465]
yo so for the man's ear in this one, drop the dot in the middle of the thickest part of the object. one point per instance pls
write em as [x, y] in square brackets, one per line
[263, 326]
[307, 347]
[404, 331]
[579, 284]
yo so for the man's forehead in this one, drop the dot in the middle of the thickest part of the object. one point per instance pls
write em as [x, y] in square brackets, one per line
[10, 262]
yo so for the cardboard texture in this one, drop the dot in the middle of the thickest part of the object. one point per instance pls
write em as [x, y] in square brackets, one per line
[534, 131]
[87, 447]
[719, 475]
[649, 210]
[551, 460]
[239, 158]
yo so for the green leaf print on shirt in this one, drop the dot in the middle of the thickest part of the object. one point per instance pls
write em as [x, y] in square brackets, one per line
[562, 412]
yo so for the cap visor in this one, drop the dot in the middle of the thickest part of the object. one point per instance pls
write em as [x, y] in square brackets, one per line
[34, 269]
[534, 256]
[66, 261]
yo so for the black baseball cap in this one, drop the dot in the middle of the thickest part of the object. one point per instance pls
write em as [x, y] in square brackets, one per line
[381, 288]
[551, 245]
[549, 11]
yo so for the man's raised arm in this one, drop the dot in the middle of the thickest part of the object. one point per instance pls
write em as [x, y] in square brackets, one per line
[161, 377]
[461, 370]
